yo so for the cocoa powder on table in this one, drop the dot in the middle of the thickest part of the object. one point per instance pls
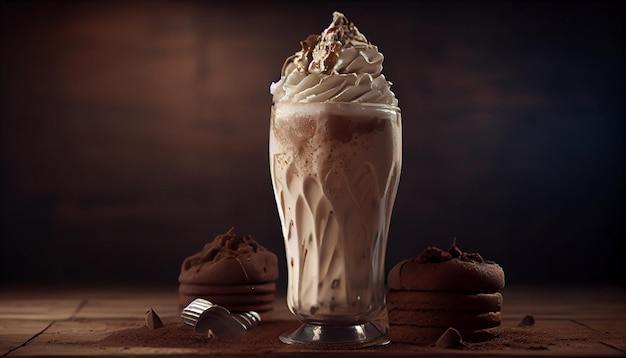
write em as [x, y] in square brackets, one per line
[175, 334]
[265, 337]
[171, 335]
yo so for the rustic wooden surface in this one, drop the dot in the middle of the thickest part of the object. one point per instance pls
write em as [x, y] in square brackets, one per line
[578, 321]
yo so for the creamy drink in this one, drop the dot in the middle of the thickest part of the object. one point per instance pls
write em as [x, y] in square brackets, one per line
[335, 158]
[335, 169]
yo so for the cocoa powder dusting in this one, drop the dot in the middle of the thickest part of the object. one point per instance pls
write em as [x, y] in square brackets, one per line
[171, 335]
[507, 337]
[176, 334]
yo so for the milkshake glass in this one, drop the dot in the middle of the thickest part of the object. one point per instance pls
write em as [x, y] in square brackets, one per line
[335, 169]
[335, 154]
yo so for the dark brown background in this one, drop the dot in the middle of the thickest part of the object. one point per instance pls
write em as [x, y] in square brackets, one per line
[134, 132]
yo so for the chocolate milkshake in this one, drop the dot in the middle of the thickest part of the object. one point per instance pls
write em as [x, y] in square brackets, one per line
[335, 151]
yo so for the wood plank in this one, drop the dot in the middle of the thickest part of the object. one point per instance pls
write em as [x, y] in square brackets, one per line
[16, 332]
[38, 309]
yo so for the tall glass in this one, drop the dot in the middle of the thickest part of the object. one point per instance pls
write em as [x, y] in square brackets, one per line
[335, 169]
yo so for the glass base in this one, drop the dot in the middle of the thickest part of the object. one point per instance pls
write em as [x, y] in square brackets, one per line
[337, 337]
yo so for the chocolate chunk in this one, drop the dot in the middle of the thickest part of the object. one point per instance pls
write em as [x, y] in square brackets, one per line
[450, 338]
[454, 250]
[152, 320]
[527, 321]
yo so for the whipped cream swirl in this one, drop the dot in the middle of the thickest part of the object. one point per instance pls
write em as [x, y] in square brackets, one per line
[340, 65]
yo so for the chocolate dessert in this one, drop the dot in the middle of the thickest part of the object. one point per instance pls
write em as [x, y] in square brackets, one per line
[441, 289]
[233, 271]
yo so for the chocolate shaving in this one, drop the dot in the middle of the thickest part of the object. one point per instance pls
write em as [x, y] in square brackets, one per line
[302, 58]
[320, 53]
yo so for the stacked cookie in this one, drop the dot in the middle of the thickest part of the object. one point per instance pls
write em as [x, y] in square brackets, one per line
[441, 289]
[232, 271]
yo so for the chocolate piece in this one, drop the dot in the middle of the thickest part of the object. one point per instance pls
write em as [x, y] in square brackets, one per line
[450, 338]
[152, 320]
[527, 321]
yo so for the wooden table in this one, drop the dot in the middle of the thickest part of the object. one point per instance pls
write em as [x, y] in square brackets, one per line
[569, 321]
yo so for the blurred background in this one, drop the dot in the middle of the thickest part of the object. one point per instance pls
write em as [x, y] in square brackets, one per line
[132, 133]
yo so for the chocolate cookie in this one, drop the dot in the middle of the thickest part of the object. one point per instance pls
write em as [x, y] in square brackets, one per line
[440, 289]
[232, 271]
[437, 270]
